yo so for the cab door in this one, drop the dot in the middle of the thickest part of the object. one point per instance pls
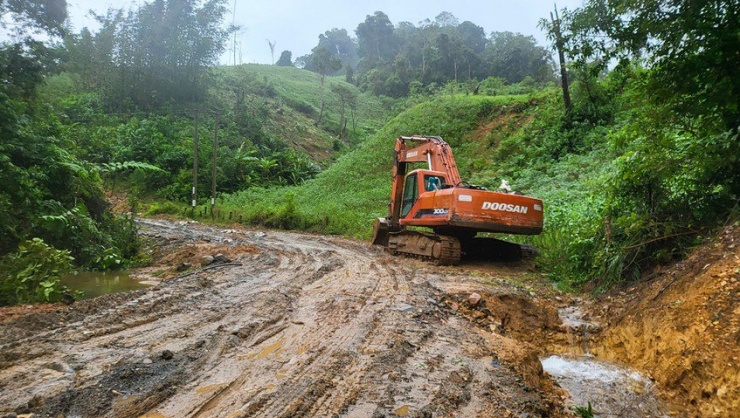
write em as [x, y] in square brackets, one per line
[410, 194]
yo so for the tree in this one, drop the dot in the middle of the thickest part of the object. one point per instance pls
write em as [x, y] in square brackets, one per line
[340, 45]
[448, 58]
[285, 59]
[472, 36]
[158, 52]
[34, 15]
[446, 19]
[349, 74]
[555, 34]
[324, 63]
[25, 60]
[514, 56]
[375, 38]
[690, 46]
[272, 50]
[347, 97]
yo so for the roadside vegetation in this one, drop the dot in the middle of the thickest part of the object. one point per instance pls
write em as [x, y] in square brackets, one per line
[636, 164]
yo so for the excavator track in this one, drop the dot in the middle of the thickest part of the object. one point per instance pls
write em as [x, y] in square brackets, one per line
[451, 252]
[440, 249]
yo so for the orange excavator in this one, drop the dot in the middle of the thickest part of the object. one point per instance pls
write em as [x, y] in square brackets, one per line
[435, 197]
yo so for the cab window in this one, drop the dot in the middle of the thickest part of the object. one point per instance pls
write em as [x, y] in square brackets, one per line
[409, 195]
[432, 183]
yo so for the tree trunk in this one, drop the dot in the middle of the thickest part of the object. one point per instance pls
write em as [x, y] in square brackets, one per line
[354, 126]
[561, 56]
[321, 110]
[342, 122]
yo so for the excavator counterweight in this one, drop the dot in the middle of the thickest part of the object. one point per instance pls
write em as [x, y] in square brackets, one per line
[436, 198]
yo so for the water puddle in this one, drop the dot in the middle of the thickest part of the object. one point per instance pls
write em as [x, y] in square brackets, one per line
[272, 348]
[95, 283]
[402, 411]
[612, 390]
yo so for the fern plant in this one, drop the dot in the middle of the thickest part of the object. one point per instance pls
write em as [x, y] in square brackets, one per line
[126, 165]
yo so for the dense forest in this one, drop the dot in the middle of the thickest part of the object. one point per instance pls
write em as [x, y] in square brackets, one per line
[395, 60]
[633, 146]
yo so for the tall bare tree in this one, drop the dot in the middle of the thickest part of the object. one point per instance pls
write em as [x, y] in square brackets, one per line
[272, 50]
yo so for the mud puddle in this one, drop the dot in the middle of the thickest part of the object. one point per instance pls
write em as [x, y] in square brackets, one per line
[95, 283]
[610, 389]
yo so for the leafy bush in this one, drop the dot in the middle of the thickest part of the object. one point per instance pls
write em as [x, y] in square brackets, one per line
[32, 273]
[110, 259]
[584, 411]
[301, 106]
[669, 185]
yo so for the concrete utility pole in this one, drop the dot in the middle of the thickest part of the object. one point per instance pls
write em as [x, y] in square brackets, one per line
[195, 165]
[213, 164]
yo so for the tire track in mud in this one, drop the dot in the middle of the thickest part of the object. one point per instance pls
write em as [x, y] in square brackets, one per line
[320, 385]
[308, 326]
[308, 380]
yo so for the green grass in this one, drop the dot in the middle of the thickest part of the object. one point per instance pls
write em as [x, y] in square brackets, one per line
[348, 196]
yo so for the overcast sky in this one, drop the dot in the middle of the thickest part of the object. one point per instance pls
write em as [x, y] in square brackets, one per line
[295, 25]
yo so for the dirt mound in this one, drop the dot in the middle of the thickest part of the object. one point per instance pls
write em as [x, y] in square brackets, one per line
[683, 327]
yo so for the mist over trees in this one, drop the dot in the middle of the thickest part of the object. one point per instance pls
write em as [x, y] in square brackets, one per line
[386, 59]
[147, 56]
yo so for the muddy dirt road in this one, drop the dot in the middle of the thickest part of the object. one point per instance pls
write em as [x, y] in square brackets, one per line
[294, 325]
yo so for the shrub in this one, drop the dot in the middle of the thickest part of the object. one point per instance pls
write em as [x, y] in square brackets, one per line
[301, 106]
[32, 273]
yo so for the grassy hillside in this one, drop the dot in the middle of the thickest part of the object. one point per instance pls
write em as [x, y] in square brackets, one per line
[292, 97]
[268, 129]
[348, 196]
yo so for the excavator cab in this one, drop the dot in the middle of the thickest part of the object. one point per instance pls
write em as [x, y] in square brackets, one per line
[418, 182]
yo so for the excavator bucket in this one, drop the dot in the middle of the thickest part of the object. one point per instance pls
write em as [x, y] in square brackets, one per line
[380, 232]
